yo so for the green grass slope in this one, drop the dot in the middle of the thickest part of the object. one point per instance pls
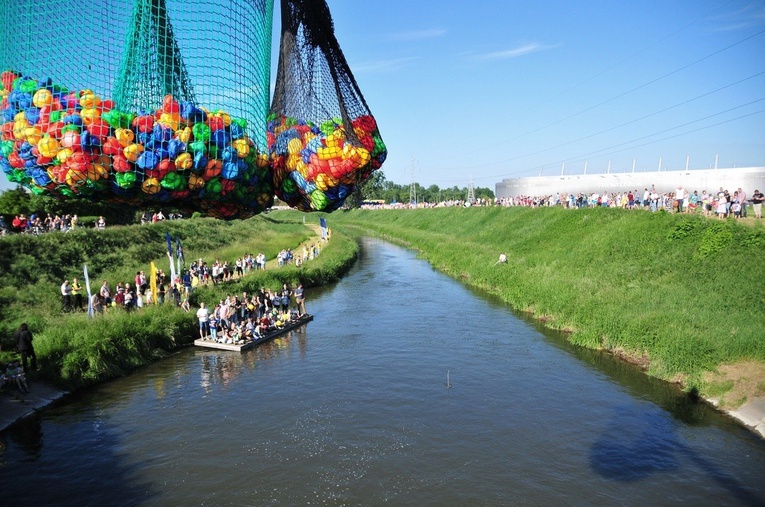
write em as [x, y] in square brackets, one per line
[75, 351]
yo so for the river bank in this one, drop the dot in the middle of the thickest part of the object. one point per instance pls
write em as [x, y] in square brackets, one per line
[670, 293]
[74, 351]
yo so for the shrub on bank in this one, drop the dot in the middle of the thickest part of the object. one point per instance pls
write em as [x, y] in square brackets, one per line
[81, 351]
[75, 351]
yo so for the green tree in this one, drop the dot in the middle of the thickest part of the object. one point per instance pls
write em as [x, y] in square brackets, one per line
[15, 201]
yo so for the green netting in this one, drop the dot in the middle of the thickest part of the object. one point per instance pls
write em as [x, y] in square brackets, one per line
[167, 101]
[136, 102]
[216, 53]
[151, 65]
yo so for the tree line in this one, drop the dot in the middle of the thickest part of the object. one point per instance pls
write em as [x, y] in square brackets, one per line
[378, 187]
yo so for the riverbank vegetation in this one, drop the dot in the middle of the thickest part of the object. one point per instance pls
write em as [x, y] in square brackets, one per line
[74, 350]
[681, 295]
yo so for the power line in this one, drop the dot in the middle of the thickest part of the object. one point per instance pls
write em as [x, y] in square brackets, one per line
[583, 157]
[625, 60]
[622, 124]
[611, 99]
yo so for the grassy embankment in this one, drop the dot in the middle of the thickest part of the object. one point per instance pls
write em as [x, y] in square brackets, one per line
[74, 351]
[681, 295]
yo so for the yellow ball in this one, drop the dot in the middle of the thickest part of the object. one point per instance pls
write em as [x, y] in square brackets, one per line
[64, 154]
[196, 182]
[150, 186]
[132, 152]
[90, 114]
[170, 120]
[48, 146]
[242, 147]
[302, 168]
[88, 99]
[184, 162]
[294, 146]
[75, 178]
[124, 137]
[183, 134]
[32, 135]
[19, 128]
[42, 98]
[292, 161]
[99, 169]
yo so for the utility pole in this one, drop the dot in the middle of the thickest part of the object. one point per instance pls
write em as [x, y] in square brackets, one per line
[471, 192]
[412, 185]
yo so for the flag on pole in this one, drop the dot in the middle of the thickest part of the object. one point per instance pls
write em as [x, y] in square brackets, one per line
[153, 283]
[170, 256]
[87, 288]
[179, 253]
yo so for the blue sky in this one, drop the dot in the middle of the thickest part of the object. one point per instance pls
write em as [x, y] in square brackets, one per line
[495, 89]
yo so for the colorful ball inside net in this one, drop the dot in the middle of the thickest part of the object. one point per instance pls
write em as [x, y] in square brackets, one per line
[138, 108]
[320, 150]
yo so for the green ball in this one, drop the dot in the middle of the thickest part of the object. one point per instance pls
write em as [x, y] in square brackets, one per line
[201, 132]
[125, 180]
[173, 181]
[319, 201]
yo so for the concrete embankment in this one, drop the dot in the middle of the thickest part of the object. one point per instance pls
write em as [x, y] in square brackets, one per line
[15, 406]
[751, 414]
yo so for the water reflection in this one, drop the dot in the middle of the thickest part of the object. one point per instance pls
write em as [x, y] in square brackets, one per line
[635, 445]
[221, 367]
[640, 444]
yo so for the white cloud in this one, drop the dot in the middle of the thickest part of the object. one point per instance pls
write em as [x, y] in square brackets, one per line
[506, 54]
[751, 15]
[430, 33]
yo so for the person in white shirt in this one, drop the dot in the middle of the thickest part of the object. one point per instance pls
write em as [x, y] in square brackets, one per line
[203, 315]
[680, 198]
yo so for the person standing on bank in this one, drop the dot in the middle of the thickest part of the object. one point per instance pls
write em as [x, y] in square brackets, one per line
[757, 199]
[66, 296]
[77, 293]
[23, 338]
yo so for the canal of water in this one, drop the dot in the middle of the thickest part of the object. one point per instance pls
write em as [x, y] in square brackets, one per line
[355, 409]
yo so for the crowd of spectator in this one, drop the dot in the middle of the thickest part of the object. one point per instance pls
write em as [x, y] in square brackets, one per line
[136, 294]
[236, 319]
[36, 224]
[722, 203]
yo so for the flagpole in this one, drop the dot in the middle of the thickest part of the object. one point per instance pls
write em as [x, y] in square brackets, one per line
[87, 287]
[170, 256]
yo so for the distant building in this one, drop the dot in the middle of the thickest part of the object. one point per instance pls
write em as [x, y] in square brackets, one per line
[747, 178]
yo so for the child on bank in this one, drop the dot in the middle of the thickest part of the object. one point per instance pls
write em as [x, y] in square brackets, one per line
[214, 326]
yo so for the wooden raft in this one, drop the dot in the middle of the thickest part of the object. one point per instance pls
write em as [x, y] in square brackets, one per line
[250, 344]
